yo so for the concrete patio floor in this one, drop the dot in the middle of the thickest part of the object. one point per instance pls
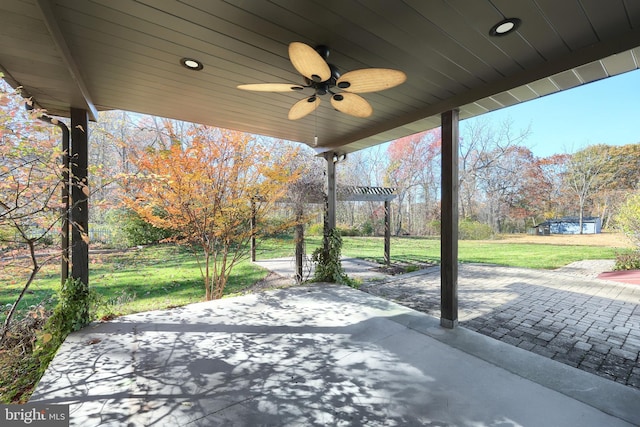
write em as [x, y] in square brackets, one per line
[316, 355]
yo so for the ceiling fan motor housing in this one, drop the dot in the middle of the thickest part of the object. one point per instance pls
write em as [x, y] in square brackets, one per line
[323, 51]
[322, 88]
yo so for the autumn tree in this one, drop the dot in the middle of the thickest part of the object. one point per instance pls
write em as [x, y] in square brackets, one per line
[554, 200]
[510, 186]
[482, 145]
[205, 189]
[621, 169]
[114, 139]
[30, 182]
[429, 178]
[412, 171]
[531, 202]
[585, 175]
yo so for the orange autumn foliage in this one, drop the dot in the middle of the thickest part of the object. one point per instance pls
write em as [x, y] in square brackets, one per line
[30, 199]
[205, 190]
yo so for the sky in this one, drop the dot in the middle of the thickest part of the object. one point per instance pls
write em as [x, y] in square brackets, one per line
[603, 112]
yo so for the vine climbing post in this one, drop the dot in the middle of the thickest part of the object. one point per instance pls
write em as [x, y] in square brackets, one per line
[330, 214]
[387, 232]
[253, 229]
[329, 266]
[299, 239]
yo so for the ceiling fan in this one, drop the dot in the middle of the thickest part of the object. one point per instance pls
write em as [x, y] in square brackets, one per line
[324, 78]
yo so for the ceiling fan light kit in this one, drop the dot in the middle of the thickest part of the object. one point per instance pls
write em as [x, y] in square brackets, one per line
[324, 78]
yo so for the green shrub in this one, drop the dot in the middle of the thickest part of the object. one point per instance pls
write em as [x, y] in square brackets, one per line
[627, 261]
[345, 230]
[432, 228]
[628, 218]
[315, 229]
[474, 230]
[367, 229]
[71, 313]
[134, 231]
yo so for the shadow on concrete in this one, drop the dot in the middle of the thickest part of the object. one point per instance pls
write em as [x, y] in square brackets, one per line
[317, 355]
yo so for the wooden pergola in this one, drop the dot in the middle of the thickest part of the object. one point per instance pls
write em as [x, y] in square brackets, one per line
[372, 194]
[349, 193]
[76, 58]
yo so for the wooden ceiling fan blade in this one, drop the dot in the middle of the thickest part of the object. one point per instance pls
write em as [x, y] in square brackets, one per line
[308, 62]
[352, 104]
[271, 87]
[370, 80]
[303, 107]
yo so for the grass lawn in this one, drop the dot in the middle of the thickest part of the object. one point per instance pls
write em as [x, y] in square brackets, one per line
[151, 278]
[542, 252]
[508, 253]
[162, 276]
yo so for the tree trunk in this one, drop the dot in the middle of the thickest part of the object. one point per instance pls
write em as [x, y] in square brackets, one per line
[581, 214]
[580, 223]
[34, 270]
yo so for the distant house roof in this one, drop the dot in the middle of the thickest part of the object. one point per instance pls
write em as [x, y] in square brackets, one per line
[576, 219]
[570, 219]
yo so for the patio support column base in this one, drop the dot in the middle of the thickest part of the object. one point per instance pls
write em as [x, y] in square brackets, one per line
[449, 324]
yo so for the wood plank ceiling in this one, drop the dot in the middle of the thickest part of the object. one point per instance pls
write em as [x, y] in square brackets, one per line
[125, 54]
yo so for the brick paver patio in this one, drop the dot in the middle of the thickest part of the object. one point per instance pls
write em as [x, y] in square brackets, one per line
[587, 323]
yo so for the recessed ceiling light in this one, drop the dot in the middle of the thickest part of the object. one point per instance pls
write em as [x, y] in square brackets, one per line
[192, 64]
[505, 27]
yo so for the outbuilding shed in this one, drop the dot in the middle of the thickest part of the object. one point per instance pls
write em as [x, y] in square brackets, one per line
[570, 225]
